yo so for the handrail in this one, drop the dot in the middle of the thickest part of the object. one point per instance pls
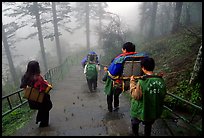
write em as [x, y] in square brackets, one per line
[48, 76]
[197, 111]
[185, 101]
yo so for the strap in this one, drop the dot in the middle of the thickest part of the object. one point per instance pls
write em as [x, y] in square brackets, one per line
[30, 92]
[151, 76]
[38, 96]
[113, 77]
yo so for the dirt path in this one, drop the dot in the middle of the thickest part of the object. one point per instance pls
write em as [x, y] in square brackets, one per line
[77, 112]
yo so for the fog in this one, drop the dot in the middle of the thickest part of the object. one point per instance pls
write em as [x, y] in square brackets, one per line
[28, 49]
[128, 12]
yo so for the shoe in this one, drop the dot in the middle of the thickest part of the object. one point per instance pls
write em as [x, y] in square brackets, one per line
[110, 109]
[43, 125]
[116, 108]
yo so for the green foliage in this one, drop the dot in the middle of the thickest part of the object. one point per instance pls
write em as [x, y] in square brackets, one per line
[166, 114]
[191, 93]
[15, 120]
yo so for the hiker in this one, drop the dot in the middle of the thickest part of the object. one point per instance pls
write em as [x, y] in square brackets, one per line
[114, 72]
[86, 59]
[147, 98]
[33, 78]
[112, 91]
[115, 69]
[91, 71]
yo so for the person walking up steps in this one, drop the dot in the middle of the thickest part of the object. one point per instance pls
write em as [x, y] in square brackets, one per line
[147, 98]
[113, 85]
[91, 71]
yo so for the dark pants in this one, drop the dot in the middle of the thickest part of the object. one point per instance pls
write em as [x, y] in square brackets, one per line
[135, 126]
[43, 111]
[92, 84]
[114, 95]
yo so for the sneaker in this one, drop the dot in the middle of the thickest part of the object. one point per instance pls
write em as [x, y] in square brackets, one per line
[116, 108]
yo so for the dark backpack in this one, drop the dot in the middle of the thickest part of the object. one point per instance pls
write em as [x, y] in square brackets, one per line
[91, 71]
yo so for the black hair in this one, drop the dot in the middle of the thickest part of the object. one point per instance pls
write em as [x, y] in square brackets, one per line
[148, 64]
[33, 68]
[91, 57]
[129, 46]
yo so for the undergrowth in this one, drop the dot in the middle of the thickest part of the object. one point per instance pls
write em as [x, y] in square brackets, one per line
[16, 120]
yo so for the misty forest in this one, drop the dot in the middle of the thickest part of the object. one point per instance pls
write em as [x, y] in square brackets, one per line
[57, 32]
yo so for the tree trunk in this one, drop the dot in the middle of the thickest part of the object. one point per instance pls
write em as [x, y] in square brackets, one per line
[187, 19]
[56, 33]
[153, 20]
[100, 24]
[40, 36]
[177, 15]
[142, 21]
[9, 57]
[87, 27]
[196, 74]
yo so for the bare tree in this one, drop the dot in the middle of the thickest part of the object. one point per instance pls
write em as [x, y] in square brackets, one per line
[86, 11]
[87, 26]
[153, 20]
[9, 57]
[56, 33]
[197, 67]
[40, 36]
[143, 16]
[101, 15]
[177, 15]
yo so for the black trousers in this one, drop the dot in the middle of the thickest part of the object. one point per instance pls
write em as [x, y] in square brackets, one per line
[92, 84]
[43, 111]
[113, 98]
[135, 126]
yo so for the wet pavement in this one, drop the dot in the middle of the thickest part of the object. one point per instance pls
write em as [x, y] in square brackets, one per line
[77, 112]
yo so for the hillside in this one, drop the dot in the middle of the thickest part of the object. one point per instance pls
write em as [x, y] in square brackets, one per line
[175, 56]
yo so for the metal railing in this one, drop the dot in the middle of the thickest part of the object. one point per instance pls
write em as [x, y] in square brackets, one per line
[52, 76]
[191, 115]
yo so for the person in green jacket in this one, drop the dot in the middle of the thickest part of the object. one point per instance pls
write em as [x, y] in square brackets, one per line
[148, 95]
[112, 91]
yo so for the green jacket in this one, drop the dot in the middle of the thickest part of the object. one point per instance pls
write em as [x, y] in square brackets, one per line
[150, 106]
[108, 84]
